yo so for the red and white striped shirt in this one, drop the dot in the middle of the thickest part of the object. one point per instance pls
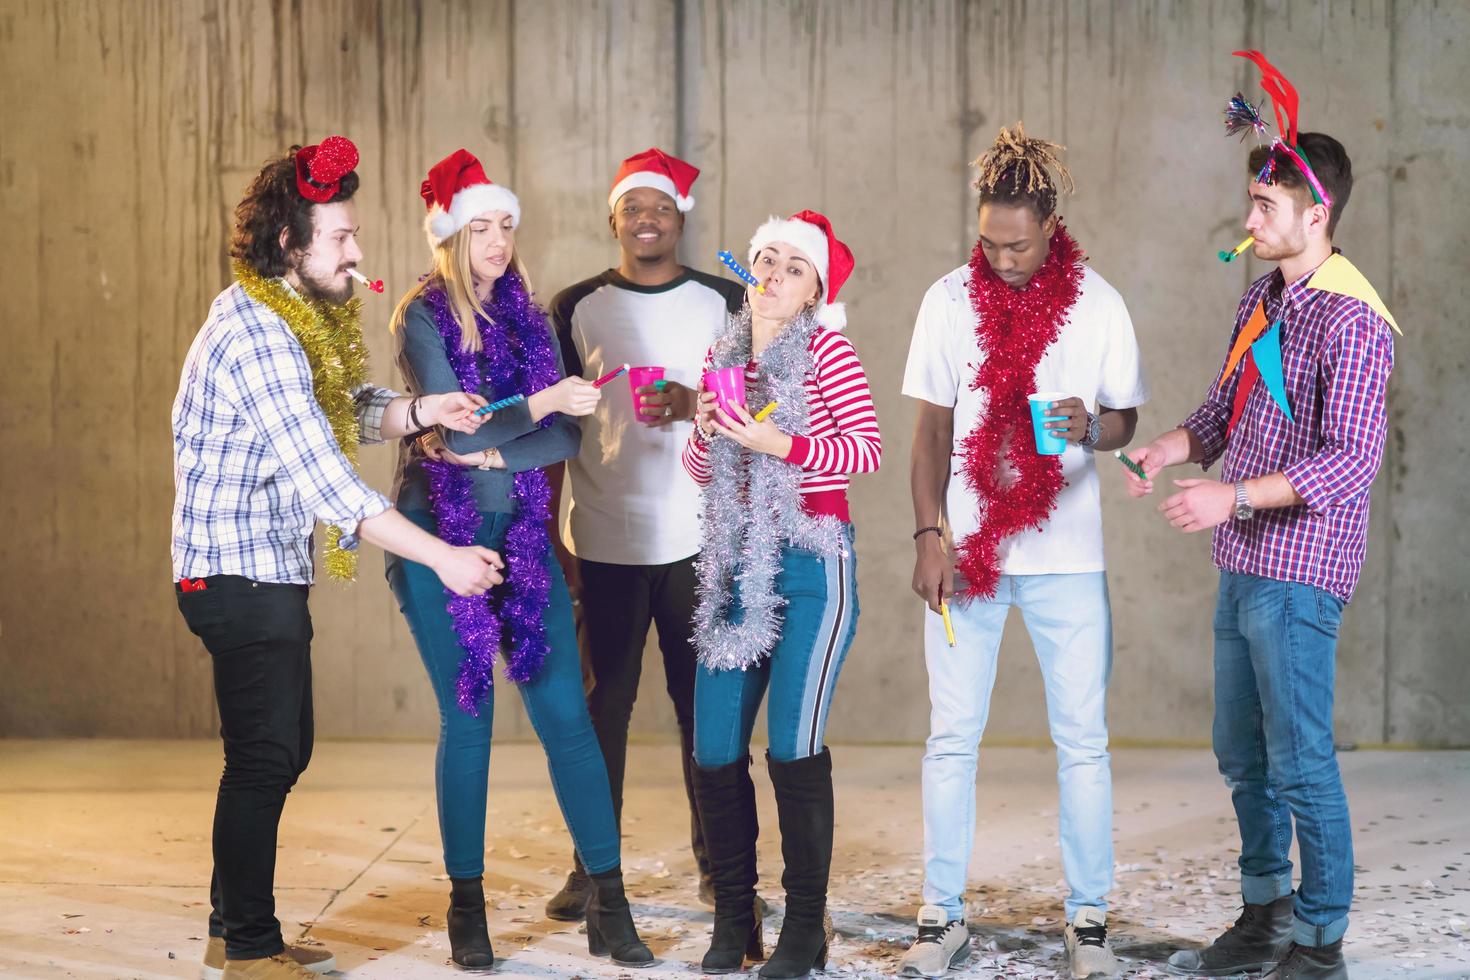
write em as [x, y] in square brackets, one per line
[842, 435]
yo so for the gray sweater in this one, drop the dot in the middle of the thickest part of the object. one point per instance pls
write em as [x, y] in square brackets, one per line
[522, 444]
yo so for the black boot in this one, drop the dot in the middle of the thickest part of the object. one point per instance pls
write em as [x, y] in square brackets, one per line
[726, 801]
[804, 806]
[610, 928]
[469, 935]
[1310, 963]
[1259, 936]
[570, 904]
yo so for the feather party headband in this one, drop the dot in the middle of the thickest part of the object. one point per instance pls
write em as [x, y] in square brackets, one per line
[1243, 118]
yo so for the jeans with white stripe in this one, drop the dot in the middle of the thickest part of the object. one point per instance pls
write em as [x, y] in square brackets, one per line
[801, 672]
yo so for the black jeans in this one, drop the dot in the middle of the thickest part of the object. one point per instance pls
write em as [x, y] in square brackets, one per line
[618, 604]
[258, 635]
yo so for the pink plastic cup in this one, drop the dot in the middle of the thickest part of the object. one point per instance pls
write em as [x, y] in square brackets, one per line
[728, 384]
[641, 377]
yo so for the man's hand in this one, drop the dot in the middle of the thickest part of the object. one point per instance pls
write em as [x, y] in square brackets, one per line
[1199, 505]
[1068, 418]
[1170, 449]
[933, 571]
[1153, 460]
[675, 403]
[760, 437]
[470, 570]
[454, 410]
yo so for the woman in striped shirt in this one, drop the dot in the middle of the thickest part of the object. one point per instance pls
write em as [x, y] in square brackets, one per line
[778, 598]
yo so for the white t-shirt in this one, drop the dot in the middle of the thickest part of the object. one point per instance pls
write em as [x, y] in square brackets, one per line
[631, 501]
[1095, 358]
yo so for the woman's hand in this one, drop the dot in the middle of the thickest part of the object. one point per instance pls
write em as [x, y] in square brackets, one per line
[704, 412]
[454, 410]
[569, 396]
[760, 437]
[432, 445]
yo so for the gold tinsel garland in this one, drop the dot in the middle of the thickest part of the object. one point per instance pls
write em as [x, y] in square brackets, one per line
[331, 336]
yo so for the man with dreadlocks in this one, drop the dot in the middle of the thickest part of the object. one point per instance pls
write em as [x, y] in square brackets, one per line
[1024, 315]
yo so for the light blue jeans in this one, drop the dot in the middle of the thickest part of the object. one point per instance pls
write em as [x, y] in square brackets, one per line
[1275, 664]
[1070, 624]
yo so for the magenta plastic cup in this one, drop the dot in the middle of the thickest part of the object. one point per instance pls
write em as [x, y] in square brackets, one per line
[728, 384]
[641, 377]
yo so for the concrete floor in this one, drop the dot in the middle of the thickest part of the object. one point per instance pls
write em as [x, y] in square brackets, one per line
[106, 851]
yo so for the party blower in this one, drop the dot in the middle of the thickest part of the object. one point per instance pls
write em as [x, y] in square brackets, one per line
[1229, 255]
[614, 373]
[741, 271]
[497, 406]
[376, 285]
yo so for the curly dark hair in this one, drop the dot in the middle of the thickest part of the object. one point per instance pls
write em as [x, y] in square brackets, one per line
[1328, 160]
[271, 203]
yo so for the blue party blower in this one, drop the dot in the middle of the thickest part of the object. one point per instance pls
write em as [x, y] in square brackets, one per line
[497, 406]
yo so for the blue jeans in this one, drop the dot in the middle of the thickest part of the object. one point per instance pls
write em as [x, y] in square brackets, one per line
[801, 672]
[554, 701]
[1275, 659]
[1070, 623]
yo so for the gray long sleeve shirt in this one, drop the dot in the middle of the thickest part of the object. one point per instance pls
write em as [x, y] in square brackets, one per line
[522, 443]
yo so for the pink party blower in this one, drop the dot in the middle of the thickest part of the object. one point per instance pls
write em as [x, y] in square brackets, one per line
[642, 377]
[728, 384]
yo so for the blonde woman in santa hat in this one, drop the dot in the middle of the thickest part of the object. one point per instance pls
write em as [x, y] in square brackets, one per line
[472, 325]
[778, 602]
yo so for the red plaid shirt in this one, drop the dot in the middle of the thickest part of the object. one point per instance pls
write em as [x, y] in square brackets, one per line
[1336, 356]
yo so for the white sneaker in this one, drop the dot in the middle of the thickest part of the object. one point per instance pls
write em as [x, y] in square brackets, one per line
[941, 945]
[1087, 945]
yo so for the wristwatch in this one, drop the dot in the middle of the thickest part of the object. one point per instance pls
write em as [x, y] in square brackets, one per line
[1243, 509]
[1094, 431]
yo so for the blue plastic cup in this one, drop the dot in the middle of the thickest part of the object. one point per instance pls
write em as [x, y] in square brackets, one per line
[1049, 442]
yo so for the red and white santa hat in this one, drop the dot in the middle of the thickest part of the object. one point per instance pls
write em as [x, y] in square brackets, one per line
[811, 234]
[655, 168]
[457, 191]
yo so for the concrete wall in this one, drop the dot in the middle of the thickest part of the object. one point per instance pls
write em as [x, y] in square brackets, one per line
[130, 131]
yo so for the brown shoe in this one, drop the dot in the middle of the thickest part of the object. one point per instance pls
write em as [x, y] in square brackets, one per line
[283, 966]
[317, 959]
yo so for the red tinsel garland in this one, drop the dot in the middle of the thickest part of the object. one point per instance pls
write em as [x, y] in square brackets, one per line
[1015, 328]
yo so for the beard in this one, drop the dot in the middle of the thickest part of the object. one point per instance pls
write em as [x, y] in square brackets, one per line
[1292, 245]
[322, 289]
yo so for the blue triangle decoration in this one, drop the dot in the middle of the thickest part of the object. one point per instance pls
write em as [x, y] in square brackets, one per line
[1267, 354]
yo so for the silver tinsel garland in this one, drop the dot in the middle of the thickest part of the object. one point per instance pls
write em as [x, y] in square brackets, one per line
[752, 506]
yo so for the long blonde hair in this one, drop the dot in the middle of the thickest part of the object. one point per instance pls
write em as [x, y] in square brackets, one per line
[452, 273]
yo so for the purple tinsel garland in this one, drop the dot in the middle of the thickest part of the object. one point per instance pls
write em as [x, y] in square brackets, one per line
[516, 357]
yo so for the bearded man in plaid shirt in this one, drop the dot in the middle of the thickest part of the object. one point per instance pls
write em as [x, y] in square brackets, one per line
[257, 461]
[1290, 520]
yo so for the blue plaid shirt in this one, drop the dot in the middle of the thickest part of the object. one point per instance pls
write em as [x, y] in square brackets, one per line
[255, 461]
